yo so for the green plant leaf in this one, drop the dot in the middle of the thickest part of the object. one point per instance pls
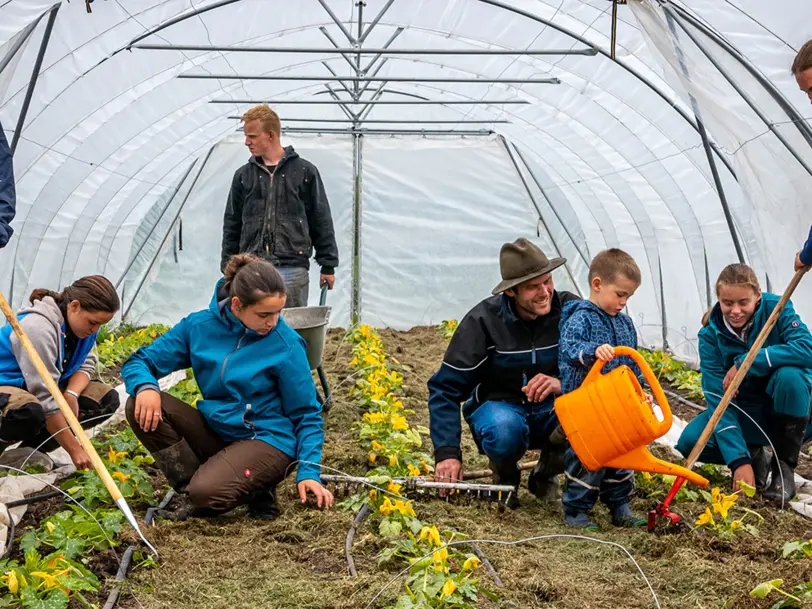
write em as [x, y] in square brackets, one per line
[748, 490]
[390, 528]
[790, 548]
[763, 589]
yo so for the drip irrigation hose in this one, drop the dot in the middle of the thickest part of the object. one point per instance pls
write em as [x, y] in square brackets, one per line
[124, 567]
[12, 529]
[33, 499]
[359, 518]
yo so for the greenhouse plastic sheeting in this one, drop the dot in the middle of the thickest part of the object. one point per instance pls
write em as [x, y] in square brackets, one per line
[611, 155]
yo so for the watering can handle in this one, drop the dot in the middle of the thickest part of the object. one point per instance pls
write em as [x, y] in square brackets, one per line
[649, 375]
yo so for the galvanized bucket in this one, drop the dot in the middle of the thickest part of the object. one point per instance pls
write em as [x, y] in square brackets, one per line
[311, 324]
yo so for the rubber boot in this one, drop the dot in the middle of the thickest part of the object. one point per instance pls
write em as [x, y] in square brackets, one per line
[510, 475]
[787, 434]
[761, 466]
[543, 480]
[178, 463]
[622, 516]
[262, 504]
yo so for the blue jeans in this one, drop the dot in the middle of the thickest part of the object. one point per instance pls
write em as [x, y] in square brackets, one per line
[297, 282]
[583, 487]
[504, 431]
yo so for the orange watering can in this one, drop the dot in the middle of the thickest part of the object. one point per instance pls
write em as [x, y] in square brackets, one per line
[609, 422]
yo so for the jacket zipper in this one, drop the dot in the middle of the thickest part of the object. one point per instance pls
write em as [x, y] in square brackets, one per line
[269, 203]
[225, 361]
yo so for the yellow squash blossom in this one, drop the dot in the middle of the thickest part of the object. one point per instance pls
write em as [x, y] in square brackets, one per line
[113, 456]
[386, 507]
[372, 457]
[373, 494]
[448, 588]
[399, 422]
[377, 445]
[735, 524]
[47, 579]
[394, 488]
[120, 477]
[374, 417]
[705, 518]
[648, 476]
[404, 507]
[50, 526]
[472, 562]
[11, 582]
[413, 471]
[432, 534]
[426, 467]
[393, 460]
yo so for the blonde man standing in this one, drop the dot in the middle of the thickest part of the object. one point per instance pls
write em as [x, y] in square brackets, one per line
[277, 209]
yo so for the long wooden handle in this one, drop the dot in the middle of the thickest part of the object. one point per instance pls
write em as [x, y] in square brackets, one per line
[80, 434]
[743, 369]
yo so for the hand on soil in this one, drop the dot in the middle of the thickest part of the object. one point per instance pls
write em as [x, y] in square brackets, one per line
[148, 409]
[744, 473]
[447, 470]
[605, 352]
[324, 498]
[541, 386]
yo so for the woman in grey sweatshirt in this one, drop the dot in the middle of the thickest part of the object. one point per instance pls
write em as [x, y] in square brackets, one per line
[62, 326]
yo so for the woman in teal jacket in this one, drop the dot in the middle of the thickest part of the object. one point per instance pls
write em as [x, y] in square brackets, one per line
[259, 412]
[775, 392]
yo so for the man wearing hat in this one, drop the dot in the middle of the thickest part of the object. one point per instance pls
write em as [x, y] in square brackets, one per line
[503, 363]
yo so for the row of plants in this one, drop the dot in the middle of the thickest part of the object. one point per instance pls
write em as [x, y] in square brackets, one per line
[55, 556]
[114, 346]
[439, 575]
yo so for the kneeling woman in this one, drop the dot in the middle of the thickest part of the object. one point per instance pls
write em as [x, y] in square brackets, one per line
[62, 326]
[775, 392]
[259, 411]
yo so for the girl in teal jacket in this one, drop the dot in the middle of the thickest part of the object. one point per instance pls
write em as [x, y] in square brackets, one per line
[775, 392]
[259, 412]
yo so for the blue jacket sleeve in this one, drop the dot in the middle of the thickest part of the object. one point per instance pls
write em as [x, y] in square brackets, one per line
[300, 405]
[576, 345]
[794, 349]
[8, 196]
[454, 383]
[806, 253]
[728, 432]
[170, 352]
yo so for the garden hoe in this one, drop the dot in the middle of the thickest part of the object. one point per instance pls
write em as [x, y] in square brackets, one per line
[661, 518]
[80, 434]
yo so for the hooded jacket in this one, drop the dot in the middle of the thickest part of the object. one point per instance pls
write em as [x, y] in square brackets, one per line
[280, 217]
[788, 344]
[492, 355]
[254, 386]
[46, 328]
[584, 328]
[8, 198]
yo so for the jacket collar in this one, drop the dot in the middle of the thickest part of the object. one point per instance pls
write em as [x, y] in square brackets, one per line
[219, 306]
[290, 153]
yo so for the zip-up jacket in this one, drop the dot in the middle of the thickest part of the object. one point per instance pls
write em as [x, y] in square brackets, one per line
[8, 199]
[492, 355]
[46, 328]
[789, 344]
[280, 217]
[254, 386]
[584, 328]
[806, 253]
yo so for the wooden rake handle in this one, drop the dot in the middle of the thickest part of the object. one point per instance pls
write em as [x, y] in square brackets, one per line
[80, 434]
[743, 369]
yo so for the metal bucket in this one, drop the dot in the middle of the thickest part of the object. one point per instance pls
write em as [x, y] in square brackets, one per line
[311, 324]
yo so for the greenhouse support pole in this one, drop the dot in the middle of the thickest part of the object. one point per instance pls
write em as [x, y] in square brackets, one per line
[46, 36]
[662, 303]
[386, 45]
[740, 91]
[158, 221]
[538, 211]
[785, 105]
[374, 22]
[346, 57]
[703, 134]
[355, 312]
[337, 21]
[166, 236]
[550, 203]
[18, 44]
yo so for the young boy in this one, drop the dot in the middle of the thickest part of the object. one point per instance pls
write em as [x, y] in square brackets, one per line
[589, 331]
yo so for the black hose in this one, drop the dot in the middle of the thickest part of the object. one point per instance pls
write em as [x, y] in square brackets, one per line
[488, 565]
[33, 499]
[10, 539]
[362, 514]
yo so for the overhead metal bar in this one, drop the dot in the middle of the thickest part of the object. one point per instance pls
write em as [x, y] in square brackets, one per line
[400, 102]
[337, 21]
[393, 121]
[538, 212]
[706, 145]
[782, 101]
[374, 22]
[362, 51]
[373, 74]
[386, 45]
[362, 131]
[341, 103]
[32, 83]
[549, 23]
[337, 78]
[360, 4]
[734, 84]
[346, 57]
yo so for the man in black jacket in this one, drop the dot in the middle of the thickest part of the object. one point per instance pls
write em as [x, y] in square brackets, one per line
[7, 191]
[503, 362]
[278, 210]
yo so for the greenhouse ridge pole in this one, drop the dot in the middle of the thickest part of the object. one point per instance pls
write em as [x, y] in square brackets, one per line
[550, 203]
[396, 121]
[703, 134]
[538, 211]
[748, 100]
[158, 221]
[397, 102]
[46, 36]
[208, 48]
[166, 236]
[357, 79]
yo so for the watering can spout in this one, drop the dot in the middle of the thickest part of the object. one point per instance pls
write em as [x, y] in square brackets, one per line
[640, 459]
